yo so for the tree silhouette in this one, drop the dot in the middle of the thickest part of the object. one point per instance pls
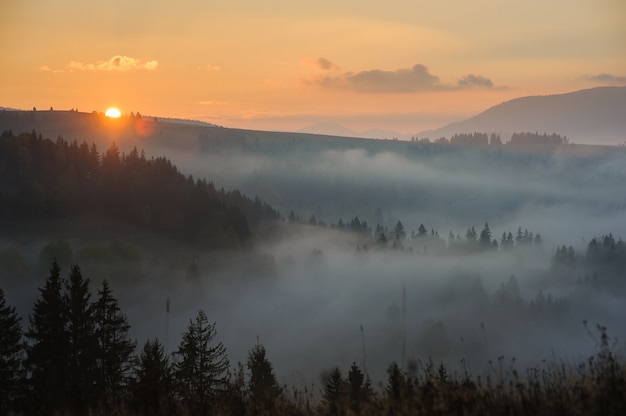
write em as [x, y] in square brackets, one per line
[152, 390]
[360, 389]
[333, 394]
[11, 358]
[485, 236]
[202, 372]
[48, 354]
[398, 231]
[83, 344]
[263, 387]
[115, 349]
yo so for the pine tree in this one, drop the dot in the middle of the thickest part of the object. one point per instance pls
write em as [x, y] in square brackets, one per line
[152, 390]
[485, 236]
[360, 389]
[398, 231]
[333, 393]
[398, 388]
[202, 372]
[11, 358]
[83, 345]
[263, 387]
[115, 349]
[48, 353]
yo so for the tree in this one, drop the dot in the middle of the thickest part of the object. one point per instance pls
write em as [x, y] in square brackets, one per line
[485, 236]
[115, 349]
[399, 388]
[422, 231]
[83, 344]
[333, 393]
[11, 357]
[470, 235]
[382, 240]
[360, 389]
[202, 372]
[263, 386]
[47, 355]
[152, 391]
[398, 231]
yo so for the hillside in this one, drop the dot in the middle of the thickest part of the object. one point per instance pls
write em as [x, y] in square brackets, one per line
[593, 116]
[45, 179]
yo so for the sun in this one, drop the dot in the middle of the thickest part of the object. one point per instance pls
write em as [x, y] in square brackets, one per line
[113, 112]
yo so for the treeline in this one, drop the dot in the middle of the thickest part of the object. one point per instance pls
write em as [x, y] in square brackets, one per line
[55, 179]
[76, 358]
[602, 252]
[425, 241]
[518, 140]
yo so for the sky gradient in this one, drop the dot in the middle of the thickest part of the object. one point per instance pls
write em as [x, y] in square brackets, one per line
[402, 65]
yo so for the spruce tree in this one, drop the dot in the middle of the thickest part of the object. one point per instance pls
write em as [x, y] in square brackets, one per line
[485, 236]
[152, 390]
[201, 375]
[48, 352]
[360, 389]
[263, 387]
[333, 393]
[115, 349]
[83, 346]
[11, 358]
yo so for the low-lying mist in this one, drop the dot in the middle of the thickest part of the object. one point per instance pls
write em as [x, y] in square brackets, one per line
[321, 303]
[319, 297]
[568, 197]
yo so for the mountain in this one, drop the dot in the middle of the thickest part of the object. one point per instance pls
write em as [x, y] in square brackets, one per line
[592, 116]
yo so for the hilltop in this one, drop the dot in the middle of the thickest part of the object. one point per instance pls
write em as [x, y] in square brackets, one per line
[592, 116]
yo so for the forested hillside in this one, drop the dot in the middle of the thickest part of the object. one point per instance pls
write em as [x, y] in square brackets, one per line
[43, 178]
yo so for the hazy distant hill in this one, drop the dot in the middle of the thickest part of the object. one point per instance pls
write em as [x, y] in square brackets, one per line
[333, 129]
[593, 116]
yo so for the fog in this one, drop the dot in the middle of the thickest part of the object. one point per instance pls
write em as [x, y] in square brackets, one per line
[316, 301]
[567, 198]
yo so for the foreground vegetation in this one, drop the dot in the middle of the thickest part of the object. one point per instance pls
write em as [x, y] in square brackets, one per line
[76, 357]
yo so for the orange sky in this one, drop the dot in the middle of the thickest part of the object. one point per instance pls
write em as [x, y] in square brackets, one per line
[402, 65]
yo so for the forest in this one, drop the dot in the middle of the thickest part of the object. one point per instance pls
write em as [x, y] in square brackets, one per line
[76, 357]
[130, 287]
[54, 179]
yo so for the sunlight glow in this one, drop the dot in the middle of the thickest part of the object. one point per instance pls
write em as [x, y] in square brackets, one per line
[113, 112]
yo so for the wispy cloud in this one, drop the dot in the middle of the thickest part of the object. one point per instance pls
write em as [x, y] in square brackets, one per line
[326, 64]
[119, 63]
[607, 78]
[321, 63]
[475, 81]
[210, 102]
[403, 80]
[212, 68]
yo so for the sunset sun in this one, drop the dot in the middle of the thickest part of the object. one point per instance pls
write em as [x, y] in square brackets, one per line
[113, 112]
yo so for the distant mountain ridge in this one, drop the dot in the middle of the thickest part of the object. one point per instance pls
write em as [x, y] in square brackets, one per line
[591, 116]
[333, 129]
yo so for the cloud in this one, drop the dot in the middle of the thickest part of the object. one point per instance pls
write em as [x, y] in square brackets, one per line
[326, 64]
[471, 81]
[119, 63]
[213, 68]
[321, 63]
[210, 102]
[607, 78]
[404, 80]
